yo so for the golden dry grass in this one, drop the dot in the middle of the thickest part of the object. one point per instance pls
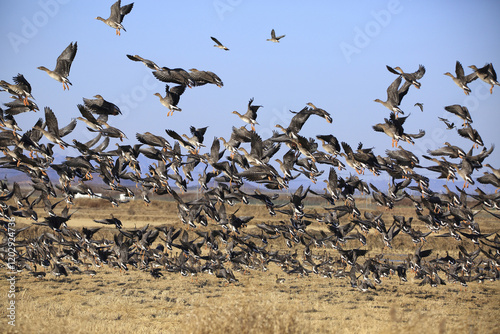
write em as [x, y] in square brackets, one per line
[115, 302]
[134, 302]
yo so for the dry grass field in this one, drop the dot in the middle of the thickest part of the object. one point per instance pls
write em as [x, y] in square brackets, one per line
[115, 301]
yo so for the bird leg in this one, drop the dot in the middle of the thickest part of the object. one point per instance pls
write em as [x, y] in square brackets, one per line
[491, 89]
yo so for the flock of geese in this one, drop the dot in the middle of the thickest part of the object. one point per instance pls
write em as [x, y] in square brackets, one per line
[235, 170]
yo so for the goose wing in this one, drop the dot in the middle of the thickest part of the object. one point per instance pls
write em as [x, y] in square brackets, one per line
[65, 60]
[51, 121]
[149, 63]
[216, 41]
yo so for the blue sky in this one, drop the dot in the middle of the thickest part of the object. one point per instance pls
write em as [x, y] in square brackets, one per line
[333, 55]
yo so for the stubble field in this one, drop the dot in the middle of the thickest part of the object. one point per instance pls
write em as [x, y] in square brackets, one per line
[116, 301]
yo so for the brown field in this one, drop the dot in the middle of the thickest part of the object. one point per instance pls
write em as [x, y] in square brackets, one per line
[133, 301]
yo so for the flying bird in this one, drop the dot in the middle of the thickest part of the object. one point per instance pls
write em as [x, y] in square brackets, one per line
[63, 65]
[21, 88]
[250, 116]
[487, 74]
[274, 38]
[460, 111]
[149, 63]
[409, 77]
[172, 96]
[101, 107]
[115, 19]
[219, 44]
[461, 80]
[395, 95]
[449, 126]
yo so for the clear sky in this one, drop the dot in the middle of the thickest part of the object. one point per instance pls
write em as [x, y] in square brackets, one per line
[333, 55]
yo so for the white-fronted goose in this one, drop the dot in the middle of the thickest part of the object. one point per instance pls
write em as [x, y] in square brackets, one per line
[274, 38]
[250, 116]
[63, 65]
[461, 80]
[198, 136]
[201, 78]
[174, 75]
[472, 134]
[330, 144]
[21, 88]
[171, 98]
[464, 170]
[185, 143]
[18, 107]
[219, 44]
[487, 74]
[490, 178]
[153, 140]
[320, 112]
[52, 132]
[395, 95]
[449, 125]
[116, 16]
[101, 107]
[449, 150]
[149, 63]
[409, 77]
[90, 120]
[110, 132]
[460, 111]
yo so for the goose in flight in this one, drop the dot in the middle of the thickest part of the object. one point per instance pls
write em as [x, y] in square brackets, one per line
[274, 38]
[101, 107]
[172, 96]
[115, 19]
[487, 74]
[250, 116]
[409, 77]
[461, 80]
[395, 95]
[149, 63]
[219, 44]
[63, 65]
[21, 88]
[460, 111]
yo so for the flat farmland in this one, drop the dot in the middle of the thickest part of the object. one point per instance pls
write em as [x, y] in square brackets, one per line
[116, 300]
